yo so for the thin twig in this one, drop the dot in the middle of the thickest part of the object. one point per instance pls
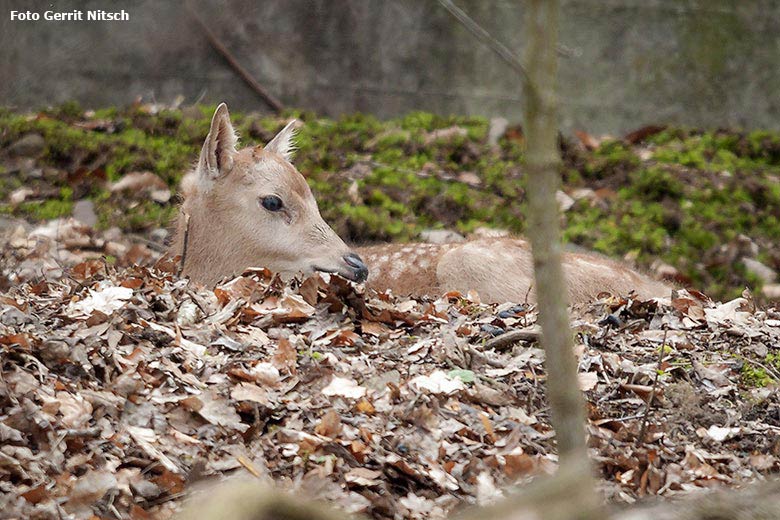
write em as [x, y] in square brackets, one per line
[151, 244]
[87, 432]
[623, 419]
[269, 98]
[185, 242]
[641, 438]
[485, 37]
[511, 337]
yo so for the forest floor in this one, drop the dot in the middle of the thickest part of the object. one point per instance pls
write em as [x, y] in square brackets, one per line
[123, 387]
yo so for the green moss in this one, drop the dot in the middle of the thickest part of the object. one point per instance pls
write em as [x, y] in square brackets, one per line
[754, 376]
[681, 155]
[653, 184]
[119, 153]
[773, 359]
[138, 216]
[393, 138]
[8, 183]
[67, 110]
[46, 209]
[610, 158]
[421, 121]
[717, 151]
[370, 221]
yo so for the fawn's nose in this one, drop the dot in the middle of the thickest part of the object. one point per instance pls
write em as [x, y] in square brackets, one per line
[358, 267]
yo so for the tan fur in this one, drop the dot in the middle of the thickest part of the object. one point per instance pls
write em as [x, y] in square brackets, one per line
[498, 269]
[229, 231]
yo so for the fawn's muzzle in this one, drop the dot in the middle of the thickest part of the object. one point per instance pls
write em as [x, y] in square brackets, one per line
[359, 269]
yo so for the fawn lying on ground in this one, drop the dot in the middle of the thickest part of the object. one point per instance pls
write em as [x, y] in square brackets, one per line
[252, 208]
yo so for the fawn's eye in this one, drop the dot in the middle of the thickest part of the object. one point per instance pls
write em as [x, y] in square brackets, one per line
[271, 203]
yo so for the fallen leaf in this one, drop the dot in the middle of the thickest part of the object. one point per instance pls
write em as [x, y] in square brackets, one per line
[437, 383]
[106, 299]
[587, 140]
[250, 392]
[343, 387]
[218, 411]
[329, 425]
[588, 380]
[718, 433]
[90, 488]
[145, 437]
[285, 356]
[363, 477]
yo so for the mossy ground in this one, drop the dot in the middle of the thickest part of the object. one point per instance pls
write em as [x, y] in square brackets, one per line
[683, 196]
[761, 374]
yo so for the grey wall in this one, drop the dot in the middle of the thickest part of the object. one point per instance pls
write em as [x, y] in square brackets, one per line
[629, 62]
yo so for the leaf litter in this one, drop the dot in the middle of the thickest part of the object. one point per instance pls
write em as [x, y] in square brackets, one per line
[123, 386]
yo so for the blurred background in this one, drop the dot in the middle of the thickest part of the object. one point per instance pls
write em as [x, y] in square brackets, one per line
[624, 63]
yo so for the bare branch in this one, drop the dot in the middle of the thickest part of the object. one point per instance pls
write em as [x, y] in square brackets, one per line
[508, 339]
[482, 35]
[215, 42]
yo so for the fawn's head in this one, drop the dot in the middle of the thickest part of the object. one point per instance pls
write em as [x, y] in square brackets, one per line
[252, 208]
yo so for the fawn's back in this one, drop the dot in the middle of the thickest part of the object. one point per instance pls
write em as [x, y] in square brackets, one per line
[498, 269]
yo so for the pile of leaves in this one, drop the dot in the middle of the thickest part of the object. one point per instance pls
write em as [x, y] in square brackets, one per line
[698, 206]
[123, 387]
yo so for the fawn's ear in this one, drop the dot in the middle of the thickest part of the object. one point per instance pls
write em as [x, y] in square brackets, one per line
[219, 149]
[283, 143]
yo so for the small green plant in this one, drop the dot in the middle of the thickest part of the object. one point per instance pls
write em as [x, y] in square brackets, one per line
[46, 209]
[755, 376]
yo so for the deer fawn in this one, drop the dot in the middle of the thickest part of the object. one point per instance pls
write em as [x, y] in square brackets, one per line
[252, 208]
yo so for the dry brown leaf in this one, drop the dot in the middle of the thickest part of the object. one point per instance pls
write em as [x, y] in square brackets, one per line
[285, 357]
[587, 140]
[250, 392]
[364, 406]
[218, 411]
[363, 477]
[329, 425]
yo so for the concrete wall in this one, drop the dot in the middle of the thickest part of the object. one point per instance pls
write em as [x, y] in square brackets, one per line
[629, 62]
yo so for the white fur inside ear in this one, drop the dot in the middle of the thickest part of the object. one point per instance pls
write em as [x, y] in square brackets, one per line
[284, 142]
[216, 156]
